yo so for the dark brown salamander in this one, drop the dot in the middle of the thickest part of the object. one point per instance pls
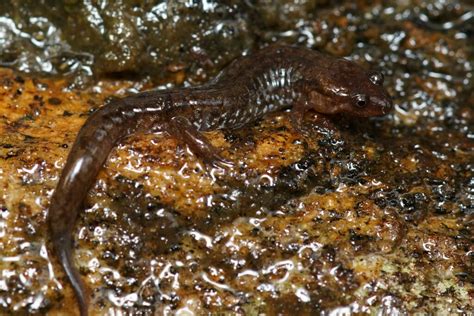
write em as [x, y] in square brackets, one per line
[272, 79]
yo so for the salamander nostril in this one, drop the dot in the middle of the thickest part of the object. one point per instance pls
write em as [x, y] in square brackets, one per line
[387, 107]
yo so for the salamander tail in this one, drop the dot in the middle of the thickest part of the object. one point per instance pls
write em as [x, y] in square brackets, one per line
[62, 247]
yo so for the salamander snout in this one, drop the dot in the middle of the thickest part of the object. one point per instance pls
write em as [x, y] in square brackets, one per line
[366, 105]
[385, 105]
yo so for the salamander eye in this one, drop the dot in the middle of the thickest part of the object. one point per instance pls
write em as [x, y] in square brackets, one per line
[376, 78]
[361, 100]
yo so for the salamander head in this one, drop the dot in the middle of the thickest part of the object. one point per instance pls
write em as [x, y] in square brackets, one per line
[346, 87]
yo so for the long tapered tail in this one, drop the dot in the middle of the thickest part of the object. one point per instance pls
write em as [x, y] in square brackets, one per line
[95, 140]
[62, 248]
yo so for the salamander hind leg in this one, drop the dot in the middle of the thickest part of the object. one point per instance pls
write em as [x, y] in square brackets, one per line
[182, 128]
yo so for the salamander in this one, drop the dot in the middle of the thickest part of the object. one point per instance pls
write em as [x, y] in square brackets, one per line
[272, 79]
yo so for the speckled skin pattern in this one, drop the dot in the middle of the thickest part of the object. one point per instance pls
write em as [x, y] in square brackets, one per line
[270, 80]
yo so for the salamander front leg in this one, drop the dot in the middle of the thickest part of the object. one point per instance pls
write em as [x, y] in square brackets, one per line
[183, 129]
[301, 114]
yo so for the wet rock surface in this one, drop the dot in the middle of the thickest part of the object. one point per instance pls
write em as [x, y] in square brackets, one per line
[375, 217]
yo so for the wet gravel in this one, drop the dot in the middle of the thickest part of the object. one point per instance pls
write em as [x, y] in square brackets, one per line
[374, 218]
